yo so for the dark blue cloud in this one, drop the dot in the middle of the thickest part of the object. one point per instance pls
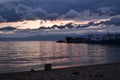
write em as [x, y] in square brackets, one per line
[15, 10]
[113, 21]
[7, 29]
[71, 14]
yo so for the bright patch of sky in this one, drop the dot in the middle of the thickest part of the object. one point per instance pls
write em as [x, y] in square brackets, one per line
[34, 24]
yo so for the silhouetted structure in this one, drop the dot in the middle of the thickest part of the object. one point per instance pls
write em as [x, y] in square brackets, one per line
[69, 39]
[102, 39]
[48, 67]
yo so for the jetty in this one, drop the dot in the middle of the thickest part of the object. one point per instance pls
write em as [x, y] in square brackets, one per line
[109, 38]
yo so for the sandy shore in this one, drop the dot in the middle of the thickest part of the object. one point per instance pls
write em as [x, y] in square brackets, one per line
[93, 72]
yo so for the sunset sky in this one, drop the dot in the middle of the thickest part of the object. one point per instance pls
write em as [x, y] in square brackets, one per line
[25, 17]
[36, 13]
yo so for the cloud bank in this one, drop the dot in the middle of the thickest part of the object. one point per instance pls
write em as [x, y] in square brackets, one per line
[17, 10]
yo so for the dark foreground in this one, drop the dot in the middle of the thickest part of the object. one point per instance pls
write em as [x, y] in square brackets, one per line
[94, 72]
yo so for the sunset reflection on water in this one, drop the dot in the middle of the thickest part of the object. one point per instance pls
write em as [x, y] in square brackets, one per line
[24, 55]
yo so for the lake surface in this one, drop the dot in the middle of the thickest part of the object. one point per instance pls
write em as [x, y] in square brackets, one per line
[25, 55]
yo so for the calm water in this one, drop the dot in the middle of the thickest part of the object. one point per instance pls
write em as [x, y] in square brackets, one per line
[21, 56]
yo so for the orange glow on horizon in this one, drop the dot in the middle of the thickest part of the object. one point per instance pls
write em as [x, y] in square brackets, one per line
[34, 24]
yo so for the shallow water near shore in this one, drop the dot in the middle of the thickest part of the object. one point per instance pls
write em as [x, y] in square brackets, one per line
[25, 55]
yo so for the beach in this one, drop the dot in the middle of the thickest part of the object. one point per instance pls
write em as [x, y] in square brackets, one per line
[109, 71]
